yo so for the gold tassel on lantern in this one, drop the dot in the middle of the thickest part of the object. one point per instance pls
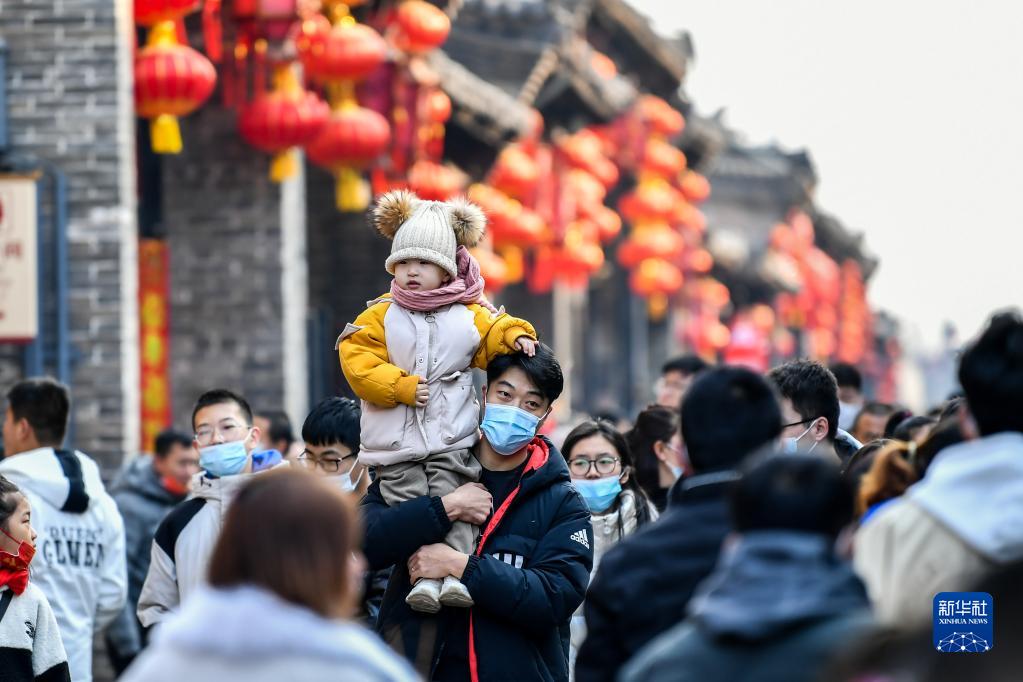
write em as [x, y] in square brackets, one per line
[350, 191]
[284, 165]
[657, 307]
[165, 134]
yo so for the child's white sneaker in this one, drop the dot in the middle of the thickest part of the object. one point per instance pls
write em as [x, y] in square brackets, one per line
[454, 593]
[425, 596]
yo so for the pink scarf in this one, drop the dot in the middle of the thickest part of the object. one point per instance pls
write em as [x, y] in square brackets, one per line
[466, 288]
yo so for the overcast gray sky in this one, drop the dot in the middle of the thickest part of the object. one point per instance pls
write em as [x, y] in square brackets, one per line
[913, 112]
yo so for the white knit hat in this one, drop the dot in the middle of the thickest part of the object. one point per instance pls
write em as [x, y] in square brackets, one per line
[427, 230]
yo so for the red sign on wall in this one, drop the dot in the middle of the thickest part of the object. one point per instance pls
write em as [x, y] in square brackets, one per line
[154, 337]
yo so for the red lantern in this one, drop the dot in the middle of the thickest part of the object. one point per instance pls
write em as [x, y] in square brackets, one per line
[353, 138]
[266, 19]
[510, 223]
[286, 118]
[609, 223]
[515, 172]
[438, 107]
[695, 187]
[435, 182]
[171, 80]
[587, 192]
[492, 268]
[700, 261]
[662, 118]
[655, 276]
[345, 52]
[655, 242]
[650, 201]
[153, 12]
[421, 27]
[662, 159]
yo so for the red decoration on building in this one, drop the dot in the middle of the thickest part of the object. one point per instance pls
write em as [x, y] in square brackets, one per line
[434, 181]
[353, 138]
[420, 27]
[152, 12]
[154, 338]
[171, 80]
[281, 120]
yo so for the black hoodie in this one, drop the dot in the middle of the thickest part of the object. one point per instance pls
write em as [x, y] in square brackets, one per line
[527, 576]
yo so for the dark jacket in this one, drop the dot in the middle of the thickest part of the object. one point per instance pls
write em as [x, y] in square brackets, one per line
[644, 583]
[143, 502]
[776, 598]
[518, 629]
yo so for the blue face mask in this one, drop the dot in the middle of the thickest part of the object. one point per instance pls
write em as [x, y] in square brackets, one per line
[508, 429]
[224, 459]
[598, 493]
[791, 445]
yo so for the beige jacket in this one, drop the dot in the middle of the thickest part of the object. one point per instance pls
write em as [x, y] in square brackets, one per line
[951, 529]
[389, 348]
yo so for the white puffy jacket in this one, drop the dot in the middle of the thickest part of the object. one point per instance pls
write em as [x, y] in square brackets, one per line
[183, 544]
[79, 562]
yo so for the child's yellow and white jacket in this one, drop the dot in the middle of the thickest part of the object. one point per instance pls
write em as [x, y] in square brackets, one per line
[386, 351]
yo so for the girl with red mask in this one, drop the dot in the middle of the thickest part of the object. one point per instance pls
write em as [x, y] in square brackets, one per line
[30, 644]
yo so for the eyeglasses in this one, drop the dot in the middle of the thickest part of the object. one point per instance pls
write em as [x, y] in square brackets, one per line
[230, 430]
[328, 466]
[799, 423]
[582, 466]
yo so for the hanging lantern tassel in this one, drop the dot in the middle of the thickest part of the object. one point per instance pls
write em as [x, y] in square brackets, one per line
[165, 134]
[213, 30]
[351, 192]
[657, 307]
[284, 165]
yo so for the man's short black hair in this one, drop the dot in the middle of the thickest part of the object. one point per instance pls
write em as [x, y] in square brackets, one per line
[812, 389]
[334, 420]
[728, 413]
[542, 369]
[685, 364]
[280, 426]
[847, 375]
[219, 396]
[991, 374]
[45, 404]
[167, 439]
[792, 492]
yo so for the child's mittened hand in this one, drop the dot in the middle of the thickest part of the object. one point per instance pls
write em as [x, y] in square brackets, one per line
[526, 345]
[422, 393]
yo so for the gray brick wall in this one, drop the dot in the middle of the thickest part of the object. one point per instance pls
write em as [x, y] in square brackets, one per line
[65, 60]
[221, 214]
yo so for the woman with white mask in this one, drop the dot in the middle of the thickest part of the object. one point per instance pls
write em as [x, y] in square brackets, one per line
[601, 467]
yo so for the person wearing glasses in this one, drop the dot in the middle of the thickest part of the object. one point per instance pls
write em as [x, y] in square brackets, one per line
[331, 436]
[601, 467]
[224, 438]
[809, 408]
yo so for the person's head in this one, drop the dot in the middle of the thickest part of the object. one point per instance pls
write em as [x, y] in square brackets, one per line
[426, 236]
[677, 375]
[870, 422]
[891, 473]
[15, 518]
[809, 402]
[222, 417]
[601, 466]
[850, 383]
[859, 464]
[293, 534]
[914, 429]
[991, 374]
[946, 433]
[655, 442]
[728, 413]
[175, 459]
[331, 435]
[37, 415]
[897, 416]
[517, 384]
[793, 493]
[275, 431]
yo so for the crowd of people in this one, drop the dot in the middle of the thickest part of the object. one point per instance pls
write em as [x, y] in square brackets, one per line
[744, 526]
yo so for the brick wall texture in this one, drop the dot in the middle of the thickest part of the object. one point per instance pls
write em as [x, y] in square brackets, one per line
[62, 75]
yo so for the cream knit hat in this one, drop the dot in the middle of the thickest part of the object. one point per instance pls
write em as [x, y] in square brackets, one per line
[427, 230]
